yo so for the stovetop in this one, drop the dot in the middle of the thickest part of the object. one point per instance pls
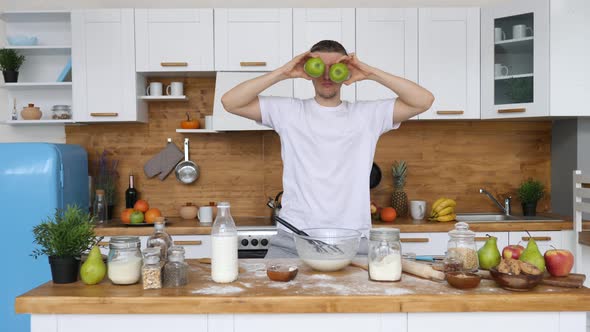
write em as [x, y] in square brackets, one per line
[255, 237]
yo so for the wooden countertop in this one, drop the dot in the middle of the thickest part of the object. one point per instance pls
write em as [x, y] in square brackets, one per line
[178, 226]
[348, 290]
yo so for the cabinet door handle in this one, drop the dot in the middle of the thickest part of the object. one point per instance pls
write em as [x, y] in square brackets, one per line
[512, 110]
[537, 238]
[188, 243]
[415, 240]
[252, 64]
[174, 64]
[450, 112]
[103, 244]
[104, 114]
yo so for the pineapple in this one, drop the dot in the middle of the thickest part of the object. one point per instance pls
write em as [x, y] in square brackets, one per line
[399, 198]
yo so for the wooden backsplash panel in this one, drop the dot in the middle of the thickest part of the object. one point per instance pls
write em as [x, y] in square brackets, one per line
[445, 158]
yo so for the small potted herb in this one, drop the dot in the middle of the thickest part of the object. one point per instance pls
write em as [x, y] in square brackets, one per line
[529, 193]
[10, 63]
[63, 238]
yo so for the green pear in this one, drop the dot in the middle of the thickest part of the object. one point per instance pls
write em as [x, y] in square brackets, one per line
[531, 254]
[94, 269]
[489, 255]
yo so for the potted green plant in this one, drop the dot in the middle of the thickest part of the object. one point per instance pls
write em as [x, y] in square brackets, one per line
[106, 179]
[529, 193]
[63, 238]
[10, 63]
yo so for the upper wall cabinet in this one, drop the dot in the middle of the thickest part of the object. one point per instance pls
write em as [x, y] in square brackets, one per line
[174, 40]
[449, 63]
[311, 25]
[386, 38]
[531, 63]
[225, 121]
[103, 56]
[257, 39]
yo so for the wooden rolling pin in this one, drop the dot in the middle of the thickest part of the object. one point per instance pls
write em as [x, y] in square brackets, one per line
[418, 269]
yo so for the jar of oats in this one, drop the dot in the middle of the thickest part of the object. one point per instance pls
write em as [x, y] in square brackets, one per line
[462, 248]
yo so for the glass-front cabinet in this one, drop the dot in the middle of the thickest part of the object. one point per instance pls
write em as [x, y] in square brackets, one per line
[515, 60]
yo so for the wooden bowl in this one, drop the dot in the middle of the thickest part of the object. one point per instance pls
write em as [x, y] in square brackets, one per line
[283, 273]
[520, 283]
[463, 280]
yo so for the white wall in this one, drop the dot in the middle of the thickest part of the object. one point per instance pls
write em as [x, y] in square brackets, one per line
[57, 133]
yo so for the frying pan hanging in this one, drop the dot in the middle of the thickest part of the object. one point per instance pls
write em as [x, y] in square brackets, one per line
[375, 176]
[186, 171]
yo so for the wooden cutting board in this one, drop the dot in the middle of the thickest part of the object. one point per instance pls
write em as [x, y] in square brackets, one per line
[573, 280]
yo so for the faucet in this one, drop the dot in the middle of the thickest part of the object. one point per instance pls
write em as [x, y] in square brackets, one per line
[506, 208]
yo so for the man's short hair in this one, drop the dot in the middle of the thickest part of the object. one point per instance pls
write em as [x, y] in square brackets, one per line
[328, 46]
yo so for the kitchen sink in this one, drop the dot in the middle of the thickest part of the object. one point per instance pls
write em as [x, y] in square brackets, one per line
[498, 217]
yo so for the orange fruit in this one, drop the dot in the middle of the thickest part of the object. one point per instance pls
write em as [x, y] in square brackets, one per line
[151, 215]
[388, 214]
[126, 216]
[141, 205]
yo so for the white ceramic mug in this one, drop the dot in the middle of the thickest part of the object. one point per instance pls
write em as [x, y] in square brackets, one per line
[208, 122]
[519, 31]
[175, 89]
[499, 35]
[417, 209]
[154, 89]
[500, 70]
[205, 214]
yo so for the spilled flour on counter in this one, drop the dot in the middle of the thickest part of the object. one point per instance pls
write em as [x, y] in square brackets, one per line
[218, 290]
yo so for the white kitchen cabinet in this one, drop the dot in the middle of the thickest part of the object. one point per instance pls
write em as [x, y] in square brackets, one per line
[311, 25]
[225, 121]
[253, 39]
[386, 38]
[448, 61]
[546, 67]
[489, 322]
[424, 243]
[174, 40]
[195, 246]
[103, 55]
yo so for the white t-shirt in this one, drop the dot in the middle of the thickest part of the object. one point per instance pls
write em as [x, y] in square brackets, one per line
[327, 158]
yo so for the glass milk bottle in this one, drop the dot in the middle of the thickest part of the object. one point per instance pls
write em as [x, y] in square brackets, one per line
[224, 246]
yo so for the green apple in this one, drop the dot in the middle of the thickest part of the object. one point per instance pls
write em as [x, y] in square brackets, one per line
[136, 217]
[314, 67]
[339, 72]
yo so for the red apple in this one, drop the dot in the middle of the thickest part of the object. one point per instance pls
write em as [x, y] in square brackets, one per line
[559, 262]
[512, 251]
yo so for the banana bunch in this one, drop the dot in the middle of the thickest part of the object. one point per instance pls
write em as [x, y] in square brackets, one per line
[443, 210]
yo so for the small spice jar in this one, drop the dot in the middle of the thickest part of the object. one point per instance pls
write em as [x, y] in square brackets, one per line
[151, 271]
[176, 269]
[461, 248]
[385, 254]
[124, 260]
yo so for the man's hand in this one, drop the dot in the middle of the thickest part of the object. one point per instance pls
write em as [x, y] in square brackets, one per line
[358, 70]
[294, 68]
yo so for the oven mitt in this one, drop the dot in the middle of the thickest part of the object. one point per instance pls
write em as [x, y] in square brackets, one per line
[163, 162]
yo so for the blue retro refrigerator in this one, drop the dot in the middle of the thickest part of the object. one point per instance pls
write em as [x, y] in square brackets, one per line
[35, 180]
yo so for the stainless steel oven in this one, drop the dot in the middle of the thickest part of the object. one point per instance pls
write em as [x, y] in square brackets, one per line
[253, 241]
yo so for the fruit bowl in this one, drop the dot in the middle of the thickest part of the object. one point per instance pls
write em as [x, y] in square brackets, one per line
[327, 249]
[516, 282]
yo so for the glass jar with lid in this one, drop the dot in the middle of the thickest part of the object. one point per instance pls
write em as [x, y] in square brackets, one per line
[61, 112]
[176, 269]
[151, 272]
[461, 249]
[124, 260]
[385, 254]
[160, 238]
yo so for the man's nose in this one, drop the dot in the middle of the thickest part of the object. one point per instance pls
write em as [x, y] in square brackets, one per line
[327, 73]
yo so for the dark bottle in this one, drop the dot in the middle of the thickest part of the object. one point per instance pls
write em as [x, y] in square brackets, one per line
[130, 194]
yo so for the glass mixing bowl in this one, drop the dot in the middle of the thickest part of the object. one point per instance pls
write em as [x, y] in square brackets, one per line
[327, 249]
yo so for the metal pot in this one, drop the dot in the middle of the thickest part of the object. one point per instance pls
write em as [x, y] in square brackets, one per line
[186, 171]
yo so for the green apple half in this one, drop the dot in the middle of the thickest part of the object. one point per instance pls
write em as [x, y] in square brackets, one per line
[314, 67]
[339, 72]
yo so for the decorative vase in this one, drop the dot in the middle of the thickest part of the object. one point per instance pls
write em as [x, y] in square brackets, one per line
[10, 76]
[110, 210]
[31, 112]
[64, 270]
[529, 209]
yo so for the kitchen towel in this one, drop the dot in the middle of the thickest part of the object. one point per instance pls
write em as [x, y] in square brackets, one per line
[282, 245]
[164, 162]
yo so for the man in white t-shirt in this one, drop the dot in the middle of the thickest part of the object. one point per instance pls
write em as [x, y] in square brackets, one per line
[327, 144]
